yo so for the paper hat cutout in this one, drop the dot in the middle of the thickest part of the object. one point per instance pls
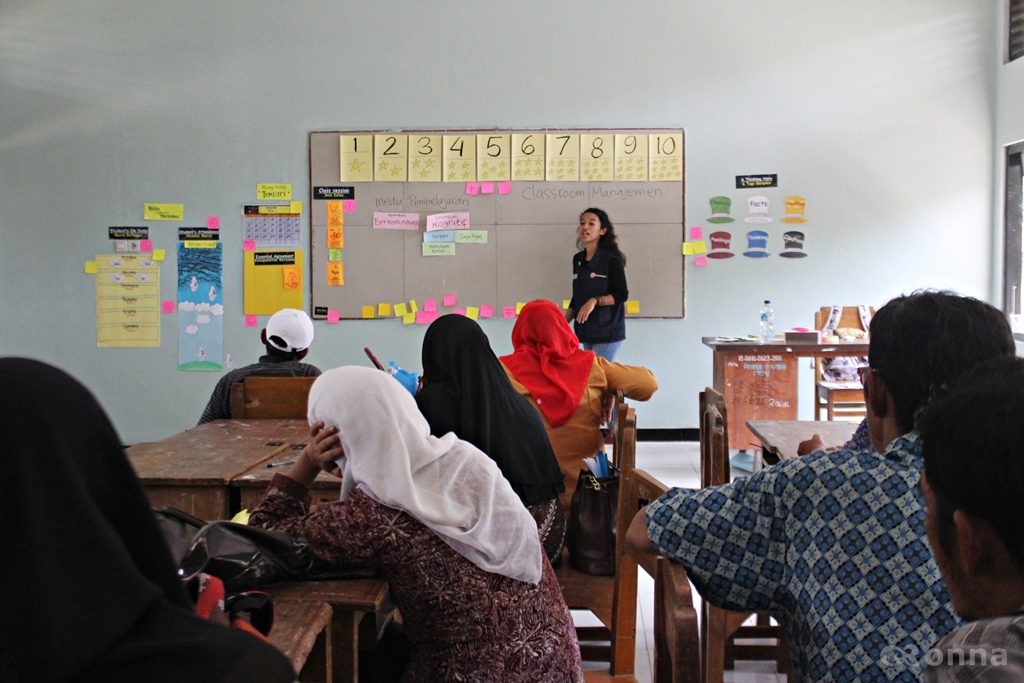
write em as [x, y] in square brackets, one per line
[793, 243]
[720, 207]
[758, 210]
[720, 245]
[795, 210]
[757, 244]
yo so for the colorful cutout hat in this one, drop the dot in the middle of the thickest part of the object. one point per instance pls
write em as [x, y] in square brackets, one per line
[720, 245]
[793, 245]
[720, 207]
[758, 210]
[757, 244]
[795, 210]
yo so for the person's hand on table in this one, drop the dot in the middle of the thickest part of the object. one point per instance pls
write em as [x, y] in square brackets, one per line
[586, 309]
[811, 445]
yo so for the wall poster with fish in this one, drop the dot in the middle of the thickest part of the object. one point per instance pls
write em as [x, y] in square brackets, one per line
[200, 306]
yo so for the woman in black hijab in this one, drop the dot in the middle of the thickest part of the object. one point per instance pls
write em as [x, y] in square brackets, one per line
[466, 391]
[88, 584]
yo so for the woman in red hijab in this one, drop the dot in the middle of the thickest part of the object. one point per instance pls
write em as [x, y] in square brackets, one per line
[567, 385]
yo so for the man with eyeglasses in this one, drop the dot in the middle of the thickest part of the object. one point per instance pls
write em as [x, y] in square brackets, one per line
[833, 543]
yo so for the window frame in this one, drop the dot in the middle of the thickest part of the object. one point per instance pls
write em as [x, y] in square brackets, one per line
[1013, 217]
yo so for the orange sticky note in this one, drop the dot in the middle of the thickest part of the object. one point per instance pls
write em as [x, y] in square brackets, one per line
[336, 237]
[335, 273]
[384, 310]
[292, 279]
[632, 306]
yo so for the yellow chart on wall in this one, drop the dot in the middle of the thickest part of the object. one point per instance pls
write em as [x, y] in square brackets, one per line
[273, 280]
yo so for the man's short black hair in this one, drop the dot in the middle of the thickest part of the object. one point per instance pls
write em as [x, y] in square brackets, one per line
[973, 443]
[922, 340]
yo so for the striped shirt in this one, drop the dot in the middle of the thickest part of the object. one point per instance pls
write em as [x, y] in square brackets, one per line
[984, 650]
[219, 407]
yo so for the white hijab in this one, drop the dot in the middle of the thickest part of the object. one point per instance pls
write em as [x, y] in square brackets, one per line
[447, 484]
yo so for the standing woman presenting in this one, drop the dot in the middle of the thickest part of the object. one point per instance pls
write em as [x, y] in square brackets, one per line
[598, 286]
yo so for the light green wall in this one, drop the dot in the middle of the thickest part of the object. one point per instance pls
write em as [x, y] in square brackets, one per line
[879, 112]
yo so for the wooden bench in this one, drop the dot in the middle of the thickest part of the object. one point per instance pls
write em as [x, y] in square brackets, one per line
[302, 631]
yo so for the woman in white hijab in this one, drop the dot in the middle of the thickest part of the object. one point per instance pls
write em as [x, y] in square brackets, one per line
[460, 552]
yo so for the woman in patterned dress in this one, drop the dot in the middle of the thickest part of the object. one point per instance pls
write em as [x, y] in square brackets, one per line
[462, 557]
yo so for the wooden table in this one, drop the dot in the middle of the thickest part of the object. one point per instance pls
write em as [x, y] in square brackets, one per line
[252, 484]
[193, 470]
[759, 380]
[780, 438]
[350, 600]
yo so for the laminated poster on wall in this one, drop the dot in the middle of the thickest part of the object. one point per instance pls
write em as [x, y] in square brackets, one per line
[200, 309]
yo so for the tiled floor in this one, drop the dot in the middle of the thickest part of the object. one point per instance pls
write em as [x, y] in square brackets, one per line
[676, 464]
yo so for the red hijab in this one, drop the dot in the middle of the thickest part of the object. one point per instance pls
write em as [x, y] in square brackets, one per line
[548, 361]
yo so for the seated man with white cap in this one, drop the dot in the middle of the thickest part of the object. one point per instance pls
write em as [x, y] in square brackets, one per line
[287, 336]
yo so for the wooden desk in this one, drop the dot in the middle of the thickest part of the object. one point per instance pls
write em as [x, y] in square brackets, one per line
[193, 470]
[780, 438]
[252, 485]
[350, 600]
[759, 380]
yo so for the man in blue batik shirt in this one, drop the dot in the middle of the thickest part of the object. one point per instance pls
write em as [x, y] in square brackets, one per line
[833, 544]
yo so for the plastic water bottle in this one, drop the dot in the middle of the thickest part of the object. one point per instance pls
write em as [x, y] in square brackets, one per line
[767, 322]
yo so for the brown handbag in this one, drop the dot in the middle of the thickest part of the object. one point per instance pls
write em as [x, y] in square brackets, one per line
[591, 529]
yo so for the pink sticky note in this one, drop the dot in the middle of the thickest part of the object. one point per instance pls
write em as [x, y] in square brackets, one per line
[487, 187]
[486, 311]
[430, 305]
[449, 299]
[250, 321]
[459, 311]
[167, 306]
[504, 187]
[422, 318]
[696, 232]
[700, 261]
[349, 206]
[472, 188]
[248, 245]
[146, 246]
[213, 222]
[508, 312]
[333, 316]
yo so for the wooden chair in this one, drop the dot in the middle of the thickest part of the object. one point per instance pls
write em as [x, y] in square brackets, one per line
[721, 629]
[614, 641]
[258, 397]
[676, 640]
[302, 631]
[838, 399]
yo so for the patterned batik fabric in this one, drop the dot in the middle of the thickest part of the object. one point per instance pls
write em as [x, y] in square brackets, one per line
[987, 650]
[833, 545]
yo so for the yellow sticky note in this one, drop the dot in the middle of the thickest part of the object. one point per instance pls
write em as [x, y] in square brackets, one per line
[390, 157]
[699, 247]
[277, 191]
[519, 307]
[459, 158]
[563, 156]
[472, 312]
[665, 156]
[632, 306]
[630, 157]
[163, 212]
[368, 313]
[292, 279]
[687, 248]
[413, 308]
[159, 254]
[90, 267]
[335, 273]
[425, 158]
[493, 156]
[400, 310]
[596, 156]
[241, 517]
[565, 304]
[384, 310]
[408, 318]
[356, 157]
[296, 206]
[528, 156]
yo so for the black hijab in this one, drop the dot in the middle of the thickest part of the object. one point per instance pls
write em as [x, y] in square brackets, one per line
[87, 581]
[466, 391]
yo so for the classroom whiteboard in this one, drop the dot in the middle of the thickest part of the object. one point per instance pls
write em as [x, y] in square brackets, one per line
[530, 229]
